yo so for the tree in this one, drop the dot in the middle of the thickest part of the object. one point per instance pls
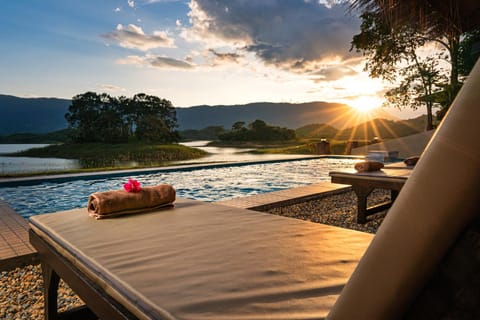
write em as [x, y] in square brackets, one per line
[392, 55]
[155, 118]
[468, 52]
[238, 125]
[441, 22]
[102, 118]
[258, 130]
[96, 118]
[259, 127]
[418, 82]
[467, 56]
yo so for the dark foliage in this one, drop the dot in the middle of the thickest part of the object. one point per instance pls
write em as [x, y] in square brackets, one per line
[208, 133]
[59, 136]
[258, 130]
[391, 48]
[316, 130]
[96, 117]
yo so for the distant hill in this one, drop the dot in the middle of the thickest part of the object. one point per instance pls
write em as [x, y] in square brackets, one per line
[32, 115]
[49, 137]
[42, 115]
[290, 115]
[382, 128]
[316, 130]
[418, 123]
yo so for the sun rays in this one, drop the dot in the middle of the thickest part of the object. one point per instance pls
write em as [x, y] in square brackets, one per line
[366, 104]
[363, 121]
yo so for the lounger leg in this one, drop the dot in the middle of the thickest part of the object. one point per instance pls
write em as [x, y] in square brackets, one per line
[393, 195]
[50, 282]
[362, 193]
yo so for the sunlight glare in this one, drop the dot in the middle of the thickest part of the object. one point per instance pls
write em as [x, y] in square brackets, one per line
[366, 104]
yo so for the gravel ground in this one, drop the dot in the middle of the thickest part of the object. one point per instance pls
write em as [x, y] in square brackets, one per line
[21, 294]
[21, 290]
[337, 210]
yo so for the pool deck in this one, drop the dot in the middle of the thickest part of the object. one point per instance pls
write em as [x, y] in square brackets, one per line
[16, 251]
[285, 197]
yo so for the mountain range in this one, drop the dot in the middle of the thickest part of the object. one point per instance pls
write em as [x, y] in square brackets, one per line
[41, 115]
[32, 115]
[382, 128]
[290, 115]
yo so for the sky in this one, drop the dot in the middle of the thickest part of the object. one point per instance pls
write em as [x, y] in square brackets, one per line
[190, 52]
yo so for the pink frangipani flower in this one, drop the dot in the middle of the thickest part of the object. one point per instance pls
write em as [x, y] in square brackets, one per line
[132, 186]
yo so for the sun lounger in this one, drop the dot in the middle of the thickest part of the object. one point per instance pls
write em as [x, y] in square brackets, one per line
[196, 260]
[363, 184]
[436, 210]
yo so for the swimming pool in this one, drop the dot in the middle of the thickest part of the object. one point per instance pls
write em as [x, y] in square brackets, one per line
[204, 183]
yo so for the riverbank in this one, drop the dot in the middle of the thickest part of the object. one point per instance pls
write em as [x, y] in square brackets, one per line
[22, 288]
[105, 154]
[22, 167]
[93, 157]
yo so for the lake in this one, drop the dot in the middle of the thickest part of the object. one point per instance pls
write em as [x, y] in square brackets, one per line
[15, 165]
[26, 165]
[227, 154]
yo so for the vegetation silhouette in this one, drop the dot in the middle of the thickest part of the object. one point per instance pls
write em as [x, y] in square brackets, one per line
[392, 36]
[102, 118]
[258, 130]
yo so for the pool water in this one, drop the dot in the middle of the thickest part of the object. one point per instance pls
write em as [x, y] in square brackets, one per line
[206, 184]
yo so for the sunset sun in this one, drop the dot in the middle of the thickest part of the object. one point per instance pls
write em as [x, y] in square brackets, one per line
[366, 104]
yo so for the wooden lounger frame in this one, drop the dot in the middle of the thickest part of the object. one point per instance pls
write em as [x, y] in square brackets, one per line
[363, 185]
[56, 267]
[89, 255]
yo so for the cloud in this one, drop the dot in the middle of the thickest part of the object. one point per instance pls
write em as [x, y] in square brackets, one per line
[332, 73]
[117, 9]
[161, 1]
[133, 59]
[133, 37]
[111, 88]
[294, 35]
[131, 3]
[156, 61]
[224, 58]
[163, 62]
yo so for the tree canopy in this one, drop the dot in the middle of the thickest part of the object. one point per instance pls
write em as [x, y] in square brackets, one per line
[392, 43]
[97, 117]
[258, 130]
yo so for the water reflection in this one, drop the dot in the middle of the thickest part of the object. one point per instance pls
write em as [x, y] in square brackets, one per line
[26, 165]
[10, 148]
[106, 163]
[16, 165]
[228, 154]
